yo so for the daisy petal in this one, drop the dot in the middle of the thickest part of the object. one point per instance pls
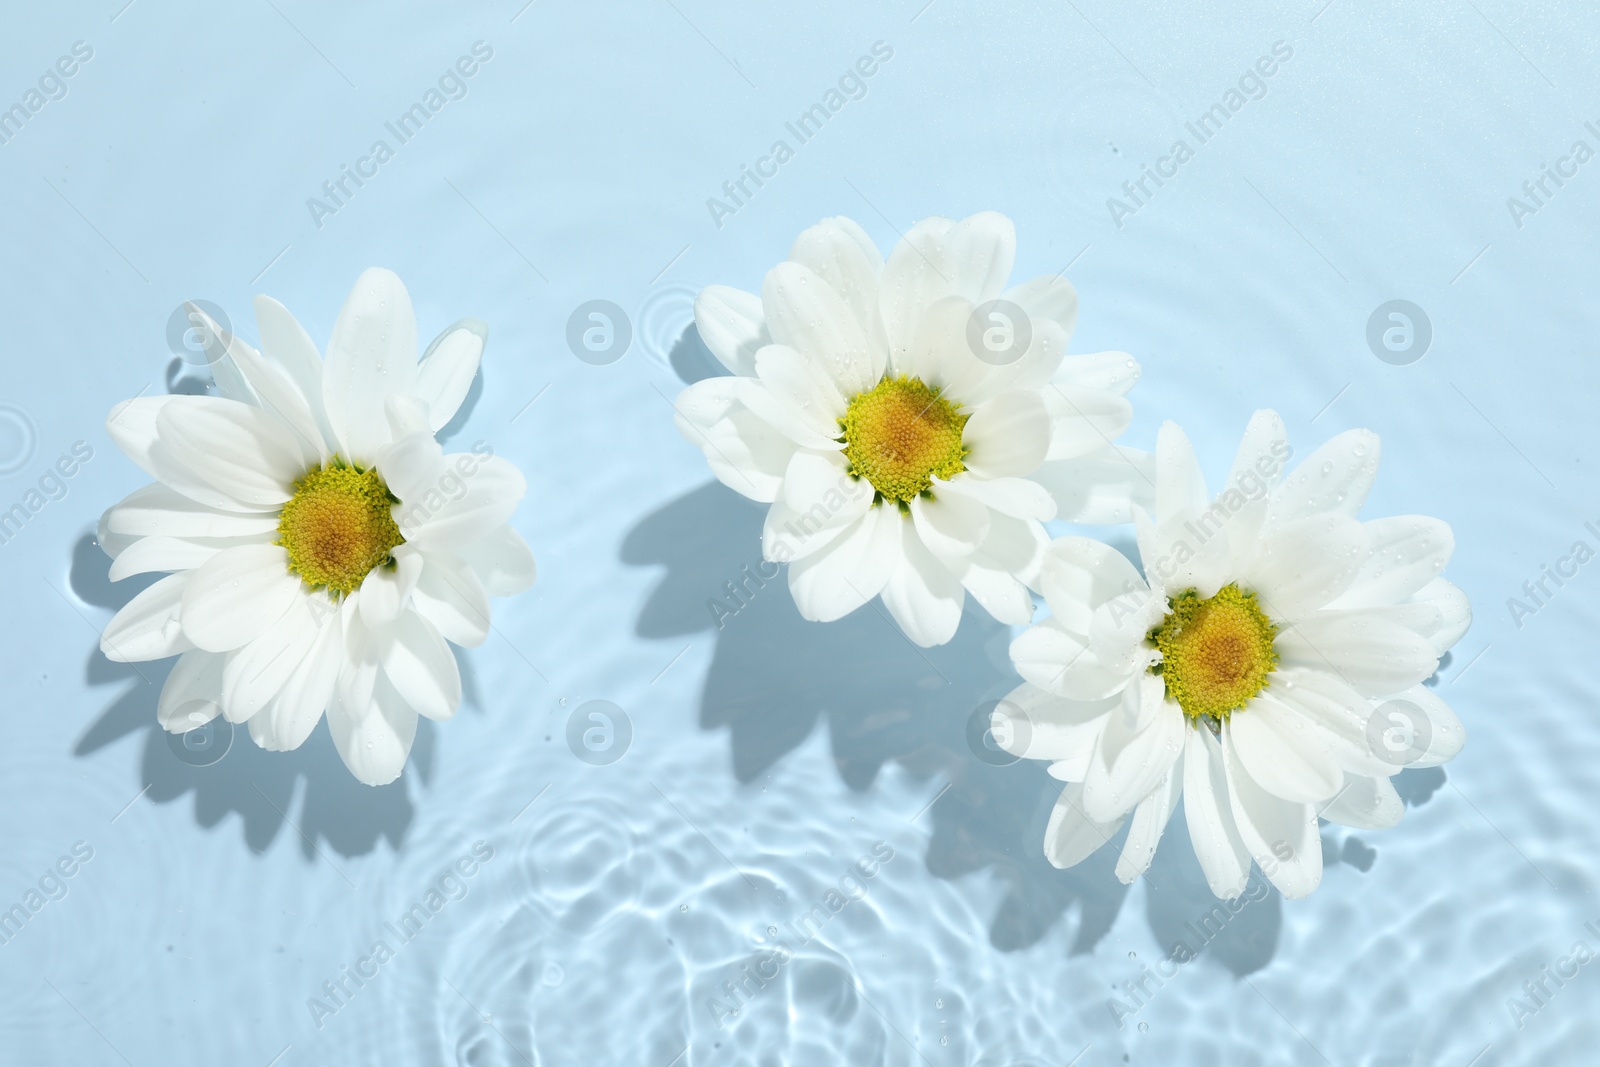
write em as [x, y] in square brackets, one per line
[285, 342]
[422, 668]
[1257, 468]
[731, 323]
[1049, 297]
[1366, 804]
[254, 674]
[1000, 573]
[788, 534]
[263, 731]
[1284, 756]
[1015, 546]
[1118, 631]
[940, 354]
[149, 554]
[1455, 612]
[1280, 835]
[1262, 449]
[373, 354]
[236, 595]
[922, 595]
[982, 250]
[374, 741]
[1051, 657]
[275, 390]
[1375, 656]
[407, 414]
[842, 255]
[1446, 736]
[147, 627]
[1336, 477]
[492, 489]
[810, 479]
[1183, 552]
[192, 693]
[1180, 487]
[1044, 654]
[246, 456]
[1304, 564]
[1206, 806]
[448, 367]
[1150, 820]
[1114, 372]
[159, 510]
[450, 596]
[221, 349]
[1034, 724]
[994, 588]
[1031, 371]
[808, 401]
[919, 271]
[286, 723]
[1018, 497]
[1337, 714]
[386, 591]
[1080, 574]
[851, 570]
[1142, 741]
[112, 544]
[1408, 552]
[746, 453]
[950, 525]
[1083, 420]
[1008, 436]
[503, 561]
[787, 396]
[1070, 837]
[131, 425]
[413, 466]
[805, 313]
[364, 649]
[1102, 487]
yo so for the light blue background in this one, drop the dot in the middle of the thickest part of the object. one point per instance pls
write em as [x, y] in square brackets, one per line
[767, 757]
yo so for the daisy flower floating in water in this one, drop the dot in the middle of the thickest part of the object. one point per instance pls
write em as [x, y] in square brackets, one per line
[323, 545]
[1267, 666]
[912, 422]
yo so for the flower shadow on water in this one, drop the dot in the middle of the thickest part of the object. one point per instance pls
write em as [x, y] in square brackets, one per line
[335, 812]
[774, 676]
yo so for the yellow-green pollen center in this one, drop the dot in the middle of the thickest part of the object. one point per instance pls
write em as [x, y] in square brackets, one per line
[900, 435]
[1216, 652]
[338, 526]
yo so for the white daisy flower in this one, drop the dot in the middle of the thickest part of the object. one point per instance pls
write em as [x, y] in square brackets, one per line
[910, 433]
[1267, 666]
[323, 546]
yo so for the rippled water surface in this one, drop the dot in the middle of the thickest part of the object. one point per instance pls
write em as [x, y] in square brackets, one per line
[650, 841]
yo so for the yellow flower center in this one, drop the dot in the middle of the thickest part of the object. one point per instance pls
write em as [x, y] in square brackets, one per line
[899, 435]
[338, 526]
[1216, 652]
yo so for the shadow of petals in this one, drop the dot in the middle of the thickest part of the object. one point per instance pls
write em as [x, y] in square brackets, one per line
[335, 811]
[774, 677]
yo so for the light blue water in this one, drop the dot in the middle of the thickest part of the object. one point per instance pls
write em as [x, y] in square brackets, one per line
[766, 758]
